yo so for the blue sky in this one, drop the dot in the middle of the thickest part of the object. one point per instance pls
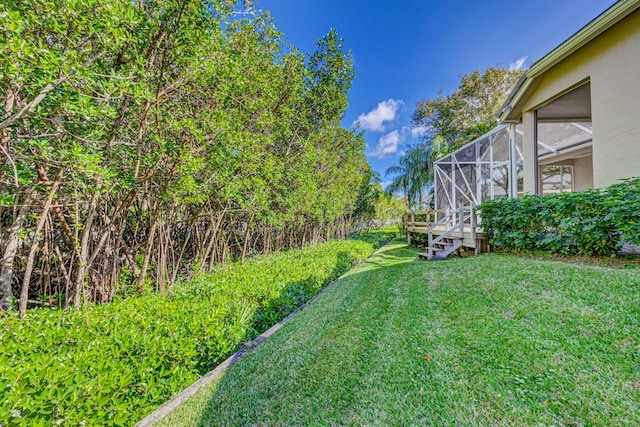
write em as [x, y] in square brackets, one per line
[407, 50]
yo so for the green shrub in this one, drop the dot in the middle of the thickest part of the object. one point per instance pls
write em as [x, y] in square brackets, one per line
[592, 222]
[113, 364]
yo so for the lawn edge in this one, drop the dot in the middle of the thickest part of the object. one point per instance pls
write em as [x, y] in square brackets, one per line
[176, 401]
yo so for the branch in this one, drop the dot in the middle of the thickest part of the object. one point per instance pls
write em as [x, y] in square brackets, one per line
[13, 165]
[43, 94]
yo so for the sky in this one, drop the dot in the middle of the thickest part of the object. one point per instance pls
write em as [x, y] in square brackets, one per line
[406, 51]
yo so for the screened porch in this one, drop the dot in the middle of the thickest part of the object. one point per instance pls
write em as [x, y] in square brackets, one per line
[488, 168]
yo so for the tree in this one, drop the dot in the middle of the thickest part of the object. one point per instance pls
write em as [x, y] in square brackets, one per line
[413, 174]
[470, 110]
[389, 208]
[329, 80]
[144, 141]
[449, 122]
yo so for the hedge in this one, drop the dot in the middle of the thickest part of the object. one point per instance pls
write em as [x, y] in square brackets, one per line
[113, 364]
[591, 222]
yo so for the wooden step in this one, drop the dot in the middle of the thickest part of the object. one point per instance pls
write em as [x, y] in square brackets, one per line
[441, 250]
[451, 239]
[444, 244]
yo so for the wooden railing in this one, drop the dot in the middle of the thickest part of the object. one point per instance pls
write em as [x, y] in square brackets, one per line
[430, 217]
[442, 226]
[449, 220]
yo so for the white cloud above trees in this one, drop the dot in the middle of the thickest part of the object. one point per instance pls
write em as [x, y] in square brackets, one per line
[418, 131]
[388, 144]
[517, 65]
[374, 120]
[385, 184]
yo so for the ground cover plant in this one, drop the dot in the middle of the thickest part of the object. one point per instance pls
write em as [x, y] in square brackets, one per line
[112, 364]
[496, 340]
[591, 222]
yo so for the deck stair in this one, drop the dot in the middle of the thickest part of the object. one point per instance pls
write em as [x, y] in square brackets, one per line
[448, 231]
[442, 249]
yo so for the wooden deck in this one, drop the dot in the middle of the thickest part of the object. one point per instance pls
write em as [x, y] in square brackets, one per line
[469, 240]
[458, 229]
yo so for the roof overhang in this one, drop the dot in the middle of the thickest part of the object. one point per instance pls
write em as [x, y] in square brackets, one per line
[593, 29]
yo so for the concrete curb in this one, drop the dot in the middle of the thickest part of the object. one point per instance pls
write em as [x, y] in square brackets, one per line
[179, 399]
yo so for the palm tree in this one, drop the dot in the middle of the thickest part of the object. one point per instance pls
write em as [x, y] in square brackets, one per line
[413, 174]
[476, 131]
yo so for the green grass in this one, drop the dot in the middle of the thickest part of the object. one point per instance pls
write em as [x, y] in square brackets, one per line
[489, 340]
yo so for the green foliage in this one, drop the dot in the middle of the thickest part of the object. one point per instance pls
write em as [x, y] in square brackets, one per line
[198, 132]
[592, 222]
[374, 207]
[113, 364]
[469, 111]
[447, 123]
[413, 174]
[389, 208]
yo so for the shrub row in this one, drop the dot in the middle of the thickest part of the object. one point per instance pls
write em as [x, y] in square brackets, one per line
[592, 222]
[113, 364]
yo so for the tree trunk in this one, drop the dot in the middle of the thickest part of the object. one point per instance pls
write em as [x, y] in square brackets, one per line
[83, 255]
[65, 272]
[247, 237]
[147, 252]
[161, 259]
[10, 251]
[5, 137]
[119, 245]
[24, 292]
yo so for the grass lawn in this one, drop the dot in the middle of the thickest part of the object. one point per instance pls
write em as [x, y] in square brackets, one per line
[488, 340]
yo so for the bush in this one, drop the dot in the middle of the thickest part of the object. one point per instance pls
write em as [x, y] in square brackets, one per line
[592, 222]
[113, 364]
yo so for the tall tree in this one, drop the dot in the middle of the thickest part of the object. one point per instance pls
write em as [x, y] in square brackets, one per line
[473, 105]
[447, 123]
[329, 80]
[141, 141]
[413, 174]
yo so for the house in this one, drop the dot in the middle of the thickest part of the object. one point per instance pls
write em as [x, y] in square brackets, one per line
[579, 107]
[571, 123]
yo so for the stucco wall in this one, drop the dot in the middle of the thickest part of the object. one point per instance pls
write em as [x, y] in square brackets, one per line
[611, 63]
[583, 173]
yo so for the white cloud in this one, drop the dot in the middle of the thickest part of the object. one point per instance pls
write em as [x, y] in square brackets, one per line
[417, 132]
[385, 184]
[388, 144]
[374, 120]
[517, 65]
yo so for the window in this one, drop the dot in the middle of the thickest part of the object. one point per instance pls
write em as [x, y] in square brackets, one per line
[563, 133]
[556, 179]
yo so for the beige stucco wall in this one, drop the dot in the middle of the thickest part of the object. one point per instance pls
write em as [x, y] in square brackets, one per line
[528, 126]
[583, 173]
[611, 62]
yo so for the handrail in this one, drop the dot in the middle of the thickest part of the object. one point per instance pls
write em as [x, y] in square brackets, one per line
[463, 214]
[429, 211]
[454, 222]
[443, 219]
[445, 234]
